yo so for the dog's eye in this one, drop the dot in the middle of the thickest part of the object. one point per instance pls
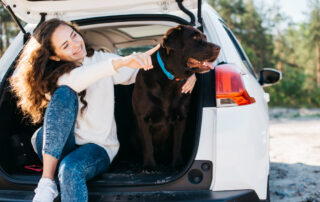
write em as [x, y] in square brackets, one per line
[195, 37]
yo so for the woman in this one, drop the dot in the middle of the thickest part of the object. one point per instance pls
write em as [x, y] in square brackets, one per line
[72, 88]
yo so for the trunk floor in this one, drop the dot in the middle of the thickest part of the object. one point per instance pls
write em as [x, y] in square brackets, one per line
[124, 172]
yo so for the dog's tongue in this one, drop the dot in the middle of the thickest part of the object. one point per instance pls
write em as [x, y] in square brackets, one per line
[208, 64]
[205, 65]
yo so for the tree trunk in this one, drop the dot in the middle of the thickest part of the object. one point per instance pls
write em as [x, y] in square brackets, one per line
[261, 59]
[318, 62]
[1, 42]
[293, 59]
[6, 34]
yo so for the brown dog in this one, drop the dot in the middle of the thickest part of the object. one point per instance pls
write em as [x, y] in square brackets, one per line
[158, 104]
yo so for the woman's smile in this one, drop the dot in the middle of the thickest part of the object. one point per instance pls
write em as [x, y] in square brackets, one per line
[79, 51]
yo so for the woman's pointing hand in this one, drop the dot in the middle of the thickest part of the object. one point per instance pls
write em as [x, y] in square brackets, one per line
[136, 60]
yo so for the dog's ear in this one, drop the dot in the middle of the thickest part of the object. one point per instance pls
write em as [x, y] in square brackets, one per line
[172, 39]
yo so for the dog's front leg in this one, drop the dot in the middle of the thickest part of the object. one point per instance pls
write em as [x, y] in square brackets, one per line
[178, 132]
[177, 155]
[147, 145]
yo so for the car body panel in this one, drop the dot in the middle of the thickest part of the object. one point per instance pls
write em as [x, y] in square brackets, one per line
[10, 54]
[239, 153]
[242, 159]
[29, 11]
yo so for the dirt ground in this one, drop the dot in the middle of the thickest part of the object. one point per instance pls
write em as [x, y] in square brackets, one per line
[295, 155]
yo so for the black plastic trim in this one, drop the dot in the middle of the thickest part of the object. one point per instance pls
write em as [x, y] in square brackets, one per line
[182, 183]
[186, 11]
[200, 16]
[203, 195]
[132, 17]
[198, 177]
[42, 19]
[209, 90]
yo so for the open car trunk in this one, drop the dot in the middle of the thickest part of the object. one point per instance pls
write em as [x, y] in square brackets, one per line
[126, 170]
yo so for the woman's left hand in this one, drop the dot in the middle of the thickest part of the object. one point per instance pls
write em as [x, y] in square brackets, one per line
[189, 85]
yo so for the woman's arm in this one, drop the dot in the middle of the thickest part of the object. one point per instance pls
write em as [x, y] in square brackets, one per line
[104, 64]
[189, 85]
[82, 77]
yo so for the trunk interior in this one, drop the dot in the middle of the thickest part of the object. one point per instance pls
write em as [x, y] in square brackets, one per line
[126, 169]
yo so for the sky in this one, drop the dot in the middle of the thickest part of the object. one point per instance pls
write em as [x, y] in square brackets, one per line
[293, 8]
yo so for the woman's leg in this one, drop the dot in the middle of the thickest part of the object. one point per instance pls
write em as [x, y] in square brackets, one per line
[68, 147]
[56, 137]
[77, 167]
[58, 127]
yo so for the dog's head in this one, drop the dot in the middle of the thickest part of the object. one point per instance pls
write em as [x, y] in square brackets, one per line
[191, 48]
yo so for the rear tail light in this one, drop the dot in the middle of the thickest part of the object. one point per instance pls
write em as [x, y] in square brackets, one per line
[230, 90]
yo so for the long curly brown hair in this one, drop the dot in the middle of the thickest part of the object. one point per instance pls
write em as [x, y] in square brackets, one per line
[36, 76]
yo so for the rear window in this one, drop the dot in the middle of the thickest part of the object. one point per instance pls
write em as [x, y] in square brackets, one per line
[240, 51]
[135, 49]
[144, 31]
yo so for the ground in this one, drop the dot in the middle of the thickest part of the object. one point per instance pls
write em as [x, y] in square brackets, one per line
[295, 155]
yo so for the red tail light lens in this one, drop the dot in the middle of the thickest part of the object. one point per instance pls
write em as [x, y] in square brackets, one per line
[230, 90]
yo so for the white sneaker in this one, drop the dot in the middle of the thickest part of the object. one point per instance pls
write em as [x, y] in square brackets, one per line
[46, 191]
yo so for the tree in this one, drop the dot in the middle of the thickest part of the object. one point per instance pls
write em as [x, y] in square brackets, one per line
[8, 29]
[256, 36]
[314, 38]
[244, 20]
[230, 11]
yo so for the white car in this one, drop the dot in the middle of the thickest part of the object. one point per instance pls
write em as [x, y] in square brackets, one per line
[226, 143]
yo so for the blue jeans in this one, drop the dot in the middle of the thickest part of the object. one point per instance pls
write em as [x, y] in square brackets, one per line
[77, 164]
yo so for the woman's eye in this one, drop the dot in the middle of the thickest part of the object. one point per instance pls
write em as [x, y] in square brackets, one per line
[66, 46]
[74, 35]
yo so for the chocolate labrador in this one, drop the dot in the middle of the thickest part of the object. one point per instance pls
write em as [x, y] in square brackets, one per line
[159, 106]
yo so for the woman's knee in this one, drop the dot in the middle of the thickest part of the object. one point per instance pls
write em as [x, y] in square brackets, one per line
[70, 171]
[65, 96]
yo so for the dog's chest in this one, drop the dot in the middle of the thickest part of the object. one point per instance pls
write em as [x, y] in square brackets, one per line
[167, 96]
[160, 91]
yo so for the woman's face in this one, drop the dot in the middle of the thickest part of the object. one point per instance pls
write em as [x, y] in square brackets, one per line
[68, 45]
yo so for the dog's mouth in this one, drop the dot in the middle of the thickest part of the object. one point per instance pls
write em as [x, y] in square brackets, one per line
[204, 65]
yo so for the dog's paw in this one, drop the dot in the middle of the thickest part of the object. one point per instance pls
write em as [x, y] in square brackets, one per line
[149, 164]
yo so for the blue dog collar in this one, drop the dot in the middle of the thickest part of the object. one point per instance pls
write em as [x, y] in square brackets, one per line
[165, 71]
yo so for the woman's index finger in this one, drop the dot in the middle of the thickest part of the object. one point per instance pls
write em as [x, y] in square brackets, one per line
[152, 50]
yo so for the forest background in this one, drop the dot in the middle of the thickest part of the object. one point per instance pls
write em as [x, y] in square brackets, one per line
[270, 39]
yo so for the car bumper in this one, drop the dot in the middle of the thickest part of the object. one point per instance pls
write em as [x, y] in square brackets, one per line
[205, 195]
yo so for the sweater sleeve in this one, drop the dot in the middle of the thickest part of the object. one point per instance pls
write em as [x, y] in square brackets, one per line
[82, 77]
[125, 76]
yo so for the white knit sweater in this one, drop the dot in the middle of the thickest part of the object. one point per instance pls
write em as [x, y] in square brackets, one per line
[97, 124]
